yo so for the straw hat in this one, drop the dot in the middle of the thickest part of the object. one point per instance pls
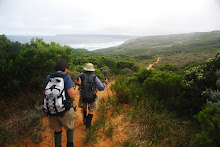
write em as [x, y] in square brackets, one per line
[89, 67]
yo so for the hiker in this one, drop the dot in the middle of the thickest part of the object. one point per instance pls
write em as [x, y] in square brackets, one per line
[59, 90]
[90, 82]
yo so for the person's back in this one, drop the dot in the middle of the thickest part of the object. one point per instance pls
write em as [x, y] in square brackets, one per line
[67, 117]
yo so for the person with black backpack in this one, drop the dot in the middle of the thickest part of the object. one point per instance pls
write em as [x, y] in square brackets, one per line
[58, 91]
[90, 82]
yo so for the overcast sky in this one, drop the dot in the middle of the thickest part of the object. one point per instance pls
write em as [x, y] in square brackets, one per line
[132, 17]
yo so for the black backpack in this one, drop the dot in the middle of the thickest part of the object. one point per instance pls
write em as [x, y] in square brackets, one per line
[88, 89]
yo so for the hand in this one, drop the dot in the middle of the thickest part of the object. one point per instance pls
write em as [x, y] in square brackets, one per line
[106, 81]
[79, 81]
[75, 80]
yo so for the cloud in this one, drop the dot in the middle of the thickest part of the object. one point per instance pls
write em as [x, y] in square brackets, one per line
[108, 17]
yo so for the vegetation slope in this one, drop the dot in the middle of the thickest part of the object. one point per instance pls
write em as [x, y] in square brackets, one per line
[178, 49]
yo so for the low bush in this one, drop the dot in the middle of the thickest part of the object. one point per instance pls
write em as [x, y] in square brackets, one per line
[27, 125]
[164, 86]
[210, 126]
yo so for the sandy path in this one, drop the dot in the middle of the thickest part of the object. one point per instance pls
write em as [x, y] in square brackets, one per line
[120, 133]
[150, 66]
[120, 127]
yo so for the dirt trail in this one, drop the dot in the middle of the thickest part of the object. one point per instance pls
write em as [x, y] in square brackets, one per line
[120, 131]
[151, 65]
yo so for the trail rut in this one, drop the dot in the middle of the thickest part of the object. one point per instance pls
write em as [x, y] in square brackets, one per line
[151, 65]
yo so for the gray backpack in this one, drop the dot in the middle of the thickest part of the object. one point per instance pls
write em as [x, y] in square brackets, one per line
[88, 89]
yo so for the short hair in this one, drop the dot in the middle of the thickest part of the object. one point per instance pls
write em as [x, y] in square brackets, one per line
[61, 65]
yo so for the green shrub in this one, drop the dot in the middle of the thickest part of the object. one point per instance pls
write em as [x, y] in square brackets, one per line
[213, 100]
[163, 84]
[169, 67]
[105, 70]
[121, 90]
[197, 80]
[210, 125]
[127, 72]
[143, 57]
[202, 139]
[127, 64]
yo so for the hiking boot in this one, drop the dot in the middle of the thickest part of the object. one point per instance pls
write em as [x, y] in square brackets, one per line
[69, 144]
[84, 117]
[88, 121]
[84, 120]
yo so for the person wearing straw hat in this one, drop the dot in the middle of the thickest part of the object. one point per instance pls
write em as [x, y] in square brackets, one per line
[90, 82]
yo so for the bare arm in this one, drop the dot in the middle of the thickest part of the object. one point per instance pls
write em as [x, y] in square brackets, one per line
[72, 92]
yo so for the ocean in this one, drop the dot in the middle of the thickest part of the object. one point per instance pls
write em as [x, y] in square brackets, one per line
[89, 42]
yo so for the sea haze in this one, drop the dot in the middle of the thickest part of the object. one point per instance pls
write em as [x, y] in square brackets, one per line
[89, 42]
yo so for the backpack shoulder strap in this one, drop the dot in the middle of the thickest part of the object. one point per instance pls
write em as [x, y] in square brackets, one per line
[57, 75]
[93, 76]
[84, 75]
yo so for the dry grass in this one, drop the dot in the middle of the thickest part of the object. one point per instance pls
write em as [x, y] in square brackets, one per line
[153, 127]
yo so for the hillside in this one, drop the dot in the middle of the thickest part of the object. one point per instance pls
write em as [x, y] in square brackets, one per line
[185, 47]
[165, 106]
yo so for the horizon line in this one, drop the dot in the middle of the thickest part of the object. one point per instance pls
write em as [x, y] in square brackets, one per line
[105, 34]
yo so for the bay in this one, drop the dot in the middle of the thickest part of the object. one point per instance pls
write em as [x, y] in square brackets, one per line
[89, 42]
